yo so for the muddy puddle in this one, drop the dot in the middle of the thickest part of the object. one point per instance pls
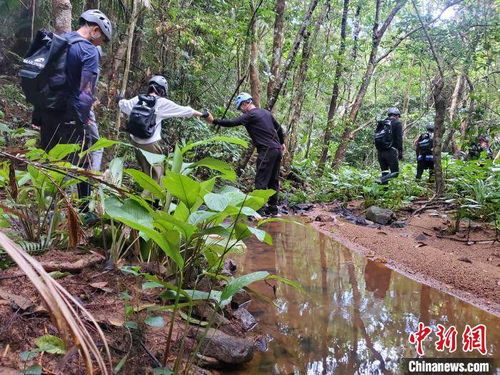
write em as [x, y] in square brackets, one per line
[355, 316]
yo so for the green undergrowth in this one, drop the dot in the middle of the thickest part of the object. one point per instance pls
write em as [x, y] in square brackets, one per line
[473, 187]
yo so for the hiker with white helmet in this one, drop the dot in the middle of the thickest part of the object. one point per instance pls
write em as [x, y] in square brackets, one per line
[71, 60]
[269, 139]
[145, 115]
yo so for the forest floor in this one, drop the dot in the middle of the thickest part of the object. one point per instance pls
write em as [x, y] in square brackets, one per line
[465, 264]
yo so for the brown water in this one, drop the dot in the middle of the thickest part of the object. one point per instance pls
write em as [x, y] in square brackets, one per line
[356, 315]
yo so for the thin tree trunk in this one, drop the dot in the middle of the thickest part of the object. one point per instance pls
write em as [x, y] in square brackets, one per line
[311, 124]
[255, 84]
[130, 41]
[377, 35]
[291, 56]
[470, 113]
[300, 79]
[282, 77]
[277, 44]
[335, 92]
[297, 102]
[440, 108]
[455, 99]
[61, 13]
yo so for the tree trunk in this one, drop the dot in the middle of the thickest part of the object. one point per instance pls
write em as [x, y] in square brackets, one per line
[277, 44]
[282, 77]
[377, 35]
[291, 56]
[470, 113]
[130, 41]
[455, 99]
[335, 92]
[255, 84]
[311, 122]
[297, 103]
[440, 108]
[61, 13]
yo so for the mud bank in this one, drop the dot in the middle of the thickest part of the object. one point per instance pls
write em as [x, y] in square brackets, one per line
[465, 264]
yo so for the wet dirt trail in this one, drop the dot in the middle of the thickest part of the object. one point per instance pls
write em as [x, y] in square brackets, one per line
[355, 315]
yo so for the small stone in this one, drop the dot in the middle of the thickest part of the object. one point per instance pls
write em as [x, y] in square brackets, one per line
[421, 237]
[246, 319]
[464, 259]
[225, 348]
[380, 215]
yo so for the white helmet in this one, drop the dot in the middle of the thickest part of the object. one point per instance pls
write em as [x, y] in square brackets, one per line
[160, 81]
[99, 18]
[242, 97]
[393, 111]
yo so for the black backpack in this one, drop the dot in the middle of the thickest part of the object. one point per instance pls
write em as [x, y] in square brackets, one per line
[43, 74]
[383, 135]
[425, 144]
[141, 122]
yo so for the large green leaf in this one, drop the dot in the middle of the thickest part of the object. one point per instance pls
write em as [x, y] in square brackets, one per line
[147, 183]
[140, 219]
[129, 210]
[198, 217]
[236, 141]
[239, 283]
[218, 165]
[50, 344]
[169, 221]
[151, 157]
[60, 151]
[184, 188]
[261, 235]
[216, 202]
[100, 144]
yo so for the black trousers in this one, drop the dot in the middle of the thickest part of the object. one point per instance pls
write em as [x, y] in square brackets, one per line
[66, 127]
[268, 172]
[424, 164]
[388, 159]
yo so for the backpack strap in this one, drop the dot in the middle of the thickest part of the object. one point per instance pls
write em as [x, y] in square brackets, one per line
[77, 39]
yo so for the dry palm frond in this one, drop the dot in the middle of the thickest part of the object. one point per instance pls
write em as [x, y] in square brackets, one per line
[64, 309]
[75, 230]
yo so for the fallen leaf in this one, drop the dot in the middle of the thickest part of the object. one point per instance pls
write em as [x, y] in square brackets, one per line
[22, 302]
[464, 259]
[382, 232]
[102, 286]
[421, 244]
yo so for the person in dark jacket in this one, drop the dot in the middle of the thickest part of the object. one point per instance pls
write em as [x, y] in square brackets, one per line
[389, 156]
[423, 146]
[268, 137]
[82, 67]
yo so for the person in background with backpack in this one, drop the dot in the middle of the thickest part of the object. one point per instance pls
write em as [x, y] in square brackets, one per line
[425, 159]
[146, 113]
[269, 139]
[58, 77]
[389, 145]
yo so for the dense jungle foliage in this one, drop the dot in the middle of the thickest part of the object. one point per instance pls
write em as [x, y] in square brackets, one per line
[327, 69]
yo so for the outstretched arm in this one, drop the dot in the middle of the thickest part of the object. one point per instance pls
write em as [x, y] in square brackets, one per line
[229, 123]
